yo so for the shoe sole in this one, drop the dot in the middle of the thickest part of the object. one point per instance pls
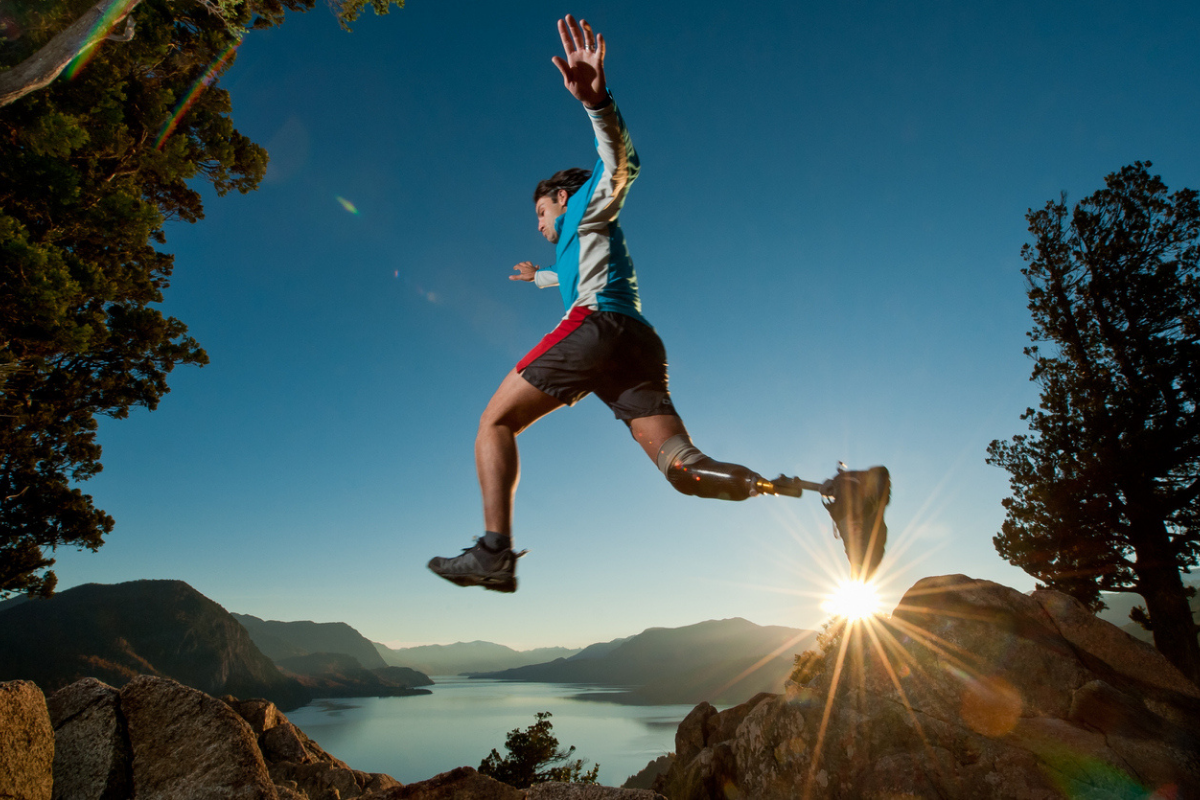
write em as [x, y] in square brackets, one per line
[495, 583]
[505, 582]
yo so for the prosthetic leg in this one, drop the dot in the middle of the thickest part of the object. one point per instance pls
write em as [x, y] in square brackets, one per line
[854, 499]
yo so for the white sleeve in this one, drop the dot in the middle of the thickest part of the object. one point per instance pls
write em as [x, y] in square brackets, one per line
[544, 279]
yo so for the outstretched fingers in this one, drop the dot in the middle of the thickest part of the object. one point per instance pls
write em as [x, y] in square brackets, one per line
[577, 36]
[582, 67]
[566, 34]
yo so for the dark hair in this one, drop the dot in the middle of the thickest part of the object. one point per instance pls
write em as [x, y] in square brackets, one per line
[568, 179]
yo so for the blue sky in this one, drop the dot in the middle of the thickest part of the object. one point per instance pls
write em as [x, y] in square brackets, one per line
[827, 231]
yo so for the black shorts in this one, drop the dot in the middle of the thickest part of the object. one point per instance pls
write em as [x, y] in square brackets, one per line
[619, 358]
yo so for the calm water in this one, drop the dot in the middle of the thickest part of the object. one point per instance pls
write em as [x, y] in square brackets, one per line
[414, 738]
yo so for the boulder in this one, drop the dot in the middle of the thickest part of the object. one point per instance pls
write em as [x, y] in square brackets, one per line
[317, 780]
[645, 777]
[689, 737]
[970, 690]
[298, 766]
[261, 714]
[285, 742]
[26, 743]
[189, 746]
[585, 791]
[91, 745]
[462, 783]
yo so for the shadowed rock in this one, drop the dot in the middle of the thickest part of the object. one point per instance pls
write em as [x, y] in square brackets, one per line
[91, 746]
[187, 745]
[583, 791]
[462, 783]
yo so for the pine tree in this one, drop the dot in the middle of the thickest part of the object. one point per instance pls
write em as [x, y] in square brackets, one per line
[91, 168]
[531, 755]
[1106, 487]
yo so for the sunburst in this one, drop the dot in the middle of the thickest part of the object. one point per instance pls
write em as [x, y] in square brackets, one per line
[853, 600]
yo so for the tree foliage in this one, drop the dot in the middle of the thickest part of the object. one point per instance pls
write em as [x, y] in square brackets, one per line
[532, 754]
[1106, 486]
[91, 168]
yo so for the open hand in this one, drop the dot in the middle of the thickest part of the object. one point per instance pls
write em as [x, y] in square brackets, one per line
[583, 67]
[525, 271]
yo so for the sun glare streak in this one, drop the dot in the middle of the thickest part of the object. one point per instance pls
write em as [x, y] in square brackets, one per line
[940, 646]
[825, 715]
[746, 673]
[881, 647]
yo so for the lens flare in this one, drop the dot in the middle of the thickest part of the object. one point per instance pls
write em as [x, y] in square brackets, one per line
[346, 204]
[853, 600]
[102, 28]
[199, 86]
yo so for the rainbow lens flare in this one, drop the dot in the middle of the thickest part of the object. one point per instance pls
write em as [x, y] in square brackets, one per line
[104, 25]
[205, 80]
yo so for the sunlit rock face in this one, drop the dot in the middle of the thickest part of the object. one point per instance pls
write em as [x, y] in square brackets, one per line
[970, 690]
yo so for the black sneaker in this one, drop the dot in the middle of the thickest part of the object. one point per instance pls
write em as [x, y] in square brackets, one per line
[856, 503]
[479, 565]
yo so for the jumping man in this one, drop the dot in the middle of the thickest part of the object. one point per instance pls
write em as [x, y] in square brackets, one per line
[604, 345]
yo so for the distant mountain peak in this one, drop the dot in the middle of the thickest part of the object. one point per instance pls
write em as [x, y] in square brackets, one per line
[115, 631]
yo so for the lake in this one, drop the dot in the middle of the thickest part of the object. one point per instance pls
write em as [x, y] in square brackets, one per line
[415, 738]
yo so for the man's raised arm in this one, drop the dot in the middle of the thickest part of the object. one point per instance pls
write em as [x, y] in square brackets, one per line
[583, 67]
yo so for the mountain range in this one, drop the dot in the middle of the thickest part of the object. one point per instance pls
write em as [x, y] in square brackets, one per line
[467, 657]
[166, 628]
[117, 632]
[331, 659]
[283, 640]
[721, 661]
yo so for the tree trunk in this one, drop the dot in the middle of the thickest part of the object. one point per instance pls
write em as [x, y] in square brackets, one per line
[45, 65]
[1171, 617]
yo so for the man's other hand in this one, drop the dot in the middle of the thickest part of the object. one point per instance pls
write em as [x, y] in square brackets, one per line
[525, 271]
[583, 68]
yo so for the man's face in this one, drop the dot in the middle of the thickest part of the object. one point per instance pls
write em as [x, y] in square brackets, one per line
[550, 208]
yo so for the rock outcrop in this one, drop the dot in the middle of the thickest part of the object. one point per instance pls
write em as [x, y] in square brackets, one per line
[970, 690]
[156, 739]
[583, 791]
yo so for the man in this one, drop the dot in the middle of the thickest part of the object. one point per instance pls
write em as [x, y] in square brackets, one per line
[604, 345]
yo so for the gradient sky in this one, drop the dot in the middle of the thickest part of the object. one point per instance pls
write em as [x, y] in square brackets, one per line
[827, 230]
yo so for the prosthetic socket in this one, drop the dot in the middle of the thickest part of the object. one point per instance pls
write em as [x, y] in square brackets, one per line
[693, 473]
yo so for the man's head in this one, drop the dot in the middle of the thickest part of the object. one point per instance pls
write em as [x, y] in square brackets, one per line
[551, 195]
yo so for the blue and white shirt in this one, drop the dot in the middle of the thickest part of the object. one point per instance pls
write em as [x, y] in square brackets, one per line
[593, 269]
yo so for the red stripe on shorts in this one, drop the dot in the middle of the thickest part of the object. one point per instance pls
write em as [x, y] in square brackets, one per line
[565, 328]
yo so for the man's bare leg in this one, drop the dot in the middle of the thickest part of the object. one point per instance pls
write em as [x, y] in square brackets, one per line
[491, 563]
[515, 406]
[652, 432]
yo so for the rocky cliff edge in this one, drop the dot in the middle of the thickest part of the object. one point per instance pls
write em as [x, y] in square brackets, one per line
[156, 739]
[970, 690]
